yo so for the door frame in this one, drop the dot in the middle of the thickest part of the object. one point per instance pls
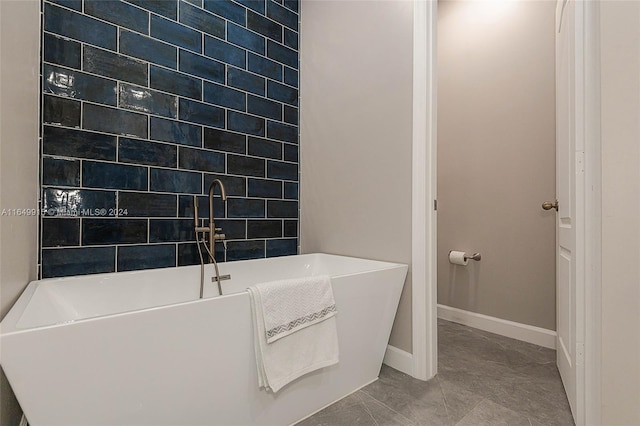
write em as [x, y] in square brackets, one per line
[424, 194]
[592, 216]
[423, 215]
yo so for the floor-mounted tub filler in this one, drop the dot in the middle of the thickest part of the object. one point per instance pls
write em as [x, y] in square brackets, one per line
[141, 348]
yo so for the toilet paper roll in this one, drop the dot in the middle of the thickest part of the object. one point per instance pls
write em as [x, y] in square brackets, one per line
[458, 258]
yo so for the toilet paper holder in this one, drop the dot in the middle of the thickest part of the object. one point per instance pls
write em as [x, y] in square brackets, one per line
[474, 256]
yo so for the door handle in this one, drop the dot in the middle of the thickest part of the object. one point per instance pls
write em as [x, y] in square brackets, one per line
[548, 205]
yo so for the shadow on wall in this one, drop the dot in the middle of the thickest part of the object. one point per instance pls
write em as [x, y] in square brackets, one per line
[463, 284]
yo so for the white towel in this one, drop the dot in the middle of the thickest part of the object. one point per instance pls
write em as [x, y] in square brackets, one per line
[304, 338]
[289, 305]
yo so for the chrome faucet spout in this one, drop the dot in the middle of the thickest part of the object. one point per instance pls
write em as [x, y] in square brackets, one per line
[213, 235]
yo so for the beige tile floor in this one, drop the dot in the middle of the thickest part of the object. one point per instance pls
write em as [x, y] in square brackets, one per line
[483, 379]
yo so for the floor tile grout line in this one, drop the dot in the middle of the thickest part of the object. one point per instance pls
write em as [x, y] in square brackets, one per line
[386, 406]
[472, 408]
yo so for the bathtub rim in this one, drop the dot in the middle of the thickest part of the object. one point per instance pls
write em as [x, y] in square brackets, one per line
[8, 325]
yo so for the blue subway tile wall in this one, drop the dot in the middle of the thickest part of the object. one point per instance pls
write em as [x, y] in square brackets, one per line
[144, 104]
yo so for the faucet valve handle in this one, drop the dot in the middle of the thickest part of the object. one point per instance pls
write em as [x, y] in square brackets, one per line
[219, 237]
[218, 229]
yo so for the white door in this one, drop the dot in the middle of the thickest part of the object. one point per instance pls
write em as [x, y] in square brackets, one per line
[570, 195]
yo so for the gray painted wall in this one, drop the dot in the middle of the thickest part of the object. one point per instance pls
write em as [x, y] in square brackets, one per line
[496, 158]
[19, 71]
[620, 38]
[356, 128]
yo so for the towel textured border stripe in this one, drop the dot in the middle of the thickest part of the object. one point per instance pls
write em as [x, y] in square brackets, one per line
[306, 321]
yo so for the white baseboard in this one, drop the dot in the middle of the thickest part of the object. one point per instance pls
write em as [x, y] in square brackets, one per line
[398, 359]
[527, 333]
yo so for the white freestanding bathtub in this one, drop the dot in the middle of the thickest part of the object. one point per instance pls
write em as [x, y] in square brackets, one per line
[140, 348]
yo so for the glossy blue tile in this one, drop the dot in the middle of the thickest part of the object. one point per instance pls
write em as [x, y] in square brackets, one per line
[113, 176]
[281, 170]
[224, 141]
[201, 20]
[245, 166]
[256, 5]
[58, 171]
[148, 49]
[235, 186]
[224, 96]
[168, 8]
[282, 15]
[244, 250]
[119, 13]
[291, 76]
[264, 26]
[264, 107]
[291, 152]
[264, 148]
[245, 123]
[284, 209]
[60, 232]
[77, 261]
[200, 159]
[293, 5]
[201, 66]
[174, 82]
[163, 180]
[167, 230]
[288, 247]
[264, 66]
[245, 38]
[290, 228]
[291, 39]
[282, 132]
[282, 54]
[133, 258]
[144, 204]
[78, 85]
[263, 188]
[280, 92]
[225, 52]
[176, 34]
[227, 9]
[291, 115]
[245, 207]
[77, 143]
[155, 91]
[80, 27]
[197, 112]
[64, 112]
[61, 51]
[291, 190]
[175, 131]
[113, 231]
[148, 101]
[107, 64]
[71, 4]
[188, 254]
[233, 229]
[185, 206]
[77, 202]
[264, 228]
[138, 151]
[112, 120]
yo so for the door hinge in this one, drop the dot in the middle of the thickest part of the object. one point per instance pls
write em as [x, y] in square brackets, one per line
[435, 205]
